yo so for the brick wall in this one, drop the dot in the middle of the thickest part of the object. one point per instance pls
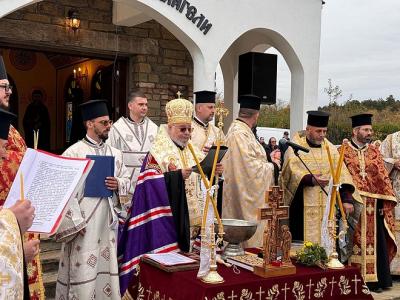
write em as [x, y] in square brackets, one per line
[158, 63]
[161, 76]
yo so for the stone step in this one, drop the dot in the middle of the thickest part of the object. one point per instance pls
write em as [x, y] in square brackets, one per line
[50, 255]
[50, 279]
[50, 260]
[48, 244]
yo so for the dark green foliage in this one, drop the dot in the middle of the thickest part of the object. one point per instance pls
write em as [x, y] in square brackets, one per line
[275, 117]
[311, 254]
[386, 118]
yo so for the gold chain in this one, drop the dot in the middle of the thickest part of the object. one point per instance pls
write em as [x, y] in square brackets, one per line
[361, 159]
[320, 201]
[207, 136]
[183, 158]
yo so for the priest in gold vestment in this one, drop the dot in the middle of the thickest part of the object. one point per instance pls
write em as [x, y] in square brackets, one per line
[374, 240]
[11, 257]
[302, 193]
[248, 174]
[205, 133]
[171, 153]
[14, 221]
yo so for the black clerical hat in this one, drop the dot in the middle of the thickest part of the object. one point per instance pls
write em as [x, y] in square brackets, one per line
[3, 71]
[94, 109]
[5, 120]
[249, 101]
[361, 119]
[317, 118]
[205, 97]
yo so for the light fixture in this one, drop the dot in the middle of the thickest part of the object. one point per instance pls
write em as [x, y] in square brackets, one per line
[79, 75]
[73, 19]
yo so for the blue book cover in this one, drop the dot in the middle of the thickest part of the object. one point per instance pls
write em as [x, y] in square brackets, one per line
[95, 185]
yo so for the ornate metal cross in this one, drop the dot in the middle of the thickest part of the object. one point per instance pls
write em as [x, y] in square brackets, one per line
[221, 112]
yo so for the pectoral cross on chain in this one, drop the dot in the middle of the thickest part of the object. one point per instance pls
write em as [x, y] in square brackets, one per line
[221, 112]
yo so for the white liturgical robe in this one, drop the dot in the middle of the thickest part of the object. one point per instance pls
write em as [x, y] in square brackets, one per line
[88, 264]
[134, 140]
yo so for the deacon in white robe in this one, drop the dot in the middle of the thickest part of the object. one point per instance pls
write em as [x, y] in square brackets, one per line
[88, 264]
[133, 135]
[248, 174]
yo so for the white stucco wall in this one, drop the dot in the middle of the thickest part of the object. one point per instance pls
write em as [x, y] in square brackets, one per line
[238, 26]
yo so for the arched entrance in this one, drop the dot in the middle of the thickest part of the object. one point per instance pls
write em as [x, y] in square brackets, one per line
[259, 40]
[266, 22]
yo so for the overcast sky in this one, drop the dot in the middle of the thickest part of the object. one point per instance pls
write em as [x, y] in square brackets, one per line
[360, 50]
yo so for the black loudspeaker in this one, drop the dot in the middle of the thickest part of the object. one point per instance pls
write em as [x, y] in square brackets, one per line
[257, 75]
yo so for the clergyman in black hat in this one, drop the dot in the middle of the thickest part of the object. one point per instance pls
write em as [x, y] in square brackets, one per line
[366, 165]
[305, 193]
[89, 228]
[362, 129]
[247, 172]
[205, 133]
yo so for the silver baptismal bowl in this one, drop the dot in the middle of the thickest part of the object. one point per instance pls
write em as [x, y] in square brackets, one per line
[237, 232]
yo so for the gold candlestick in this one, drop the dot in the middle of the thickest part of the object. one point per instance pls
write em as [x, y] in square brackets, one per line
[212, 276]
[334, 262]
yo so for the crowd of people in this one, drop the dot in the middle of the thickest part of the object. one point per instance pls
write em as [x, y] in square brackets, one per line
[157, 199]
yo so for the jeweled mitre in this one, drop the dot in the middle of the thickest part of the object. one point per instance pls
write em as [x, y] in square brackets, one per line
[179, 111]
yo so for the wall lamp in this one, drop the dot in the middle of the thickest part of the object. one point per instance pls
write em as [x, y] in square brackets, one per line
[73, 19]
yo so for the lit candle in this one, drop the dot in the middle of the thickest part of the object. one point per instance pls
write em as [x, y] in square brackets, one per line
[207, 184]
[333, 193]
[339, 171]
[21, 185]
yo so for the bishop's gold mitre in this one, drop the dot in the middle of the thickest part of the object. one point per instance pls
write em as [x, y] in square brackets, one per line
[179, 111]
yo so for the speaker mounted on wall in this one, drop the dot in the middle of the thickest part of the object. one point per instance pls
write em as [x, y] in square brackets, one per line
[257, 75]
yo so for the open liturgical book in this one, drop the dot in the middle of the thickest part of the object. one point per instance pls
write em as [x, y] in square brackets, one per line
[49, 182]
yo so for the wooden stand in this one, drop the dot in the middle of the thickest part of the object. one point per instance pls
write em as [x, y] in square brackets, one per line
[273, 271]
